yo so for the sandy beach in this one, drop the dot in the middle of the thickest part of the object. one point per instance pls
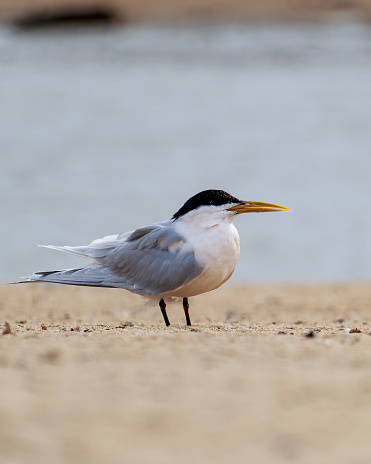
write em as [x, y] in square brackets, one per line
[267, 373]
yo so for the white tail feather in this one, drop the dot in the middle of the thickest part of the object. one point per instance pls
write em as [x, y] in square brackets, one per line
[67, 249]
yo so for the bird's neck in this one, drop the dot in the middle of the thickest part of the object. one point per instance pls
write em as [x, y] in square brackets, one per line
[203, 219]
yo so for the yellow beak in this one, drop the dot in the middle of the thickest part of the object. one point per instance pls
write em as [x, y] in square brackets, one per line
[257, 207]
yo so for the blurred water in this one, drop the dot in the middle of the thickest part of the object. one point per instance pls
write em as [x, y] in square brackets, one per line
[106, 130]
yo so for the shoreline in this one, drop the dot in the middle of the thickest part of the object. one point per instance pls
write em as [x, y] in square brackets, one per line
[136, 12]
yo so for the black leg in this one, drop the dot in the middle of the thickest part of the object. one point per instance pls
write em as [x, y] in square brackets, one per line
[163, 310]
[186, 312]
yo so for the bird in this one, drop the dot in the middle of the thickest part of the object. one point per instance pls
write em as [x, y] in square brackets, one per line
[194, 252]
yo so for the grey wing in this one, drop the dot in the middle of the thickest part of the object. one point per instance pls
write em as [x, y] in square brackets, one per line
[152, 260]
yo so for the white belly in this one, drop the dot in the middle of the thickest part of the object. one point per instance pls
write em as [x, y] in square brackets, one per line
[217, 249]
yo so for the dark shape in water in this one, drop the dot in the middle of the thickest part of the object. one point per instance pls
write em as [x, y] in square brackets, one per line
[78, 18]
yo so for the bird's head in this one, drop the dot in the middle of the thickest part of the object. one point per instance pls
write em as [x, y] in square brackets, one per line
[222, 204]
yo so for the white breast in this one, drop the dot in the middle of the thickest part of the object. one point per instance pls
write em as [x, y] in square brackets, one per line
[216, 245]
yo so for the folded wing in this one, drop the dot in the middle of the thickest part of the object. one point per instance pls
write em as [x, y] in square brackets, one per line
[152, 260]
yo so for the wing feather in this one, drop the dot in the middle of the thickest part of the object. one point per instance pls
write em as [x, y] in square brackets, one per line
[145, 261]
[152, 260]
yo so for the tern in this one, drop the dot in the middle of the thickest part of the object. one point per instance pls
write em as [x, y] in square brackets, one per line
[194, 252]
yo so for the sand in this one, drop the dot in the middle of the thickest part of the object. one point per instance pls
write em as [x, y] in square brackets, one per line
[267, 374]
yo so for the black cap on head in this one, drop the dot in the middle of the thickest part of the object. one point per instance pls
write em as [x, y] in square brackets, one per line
[206, 198]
